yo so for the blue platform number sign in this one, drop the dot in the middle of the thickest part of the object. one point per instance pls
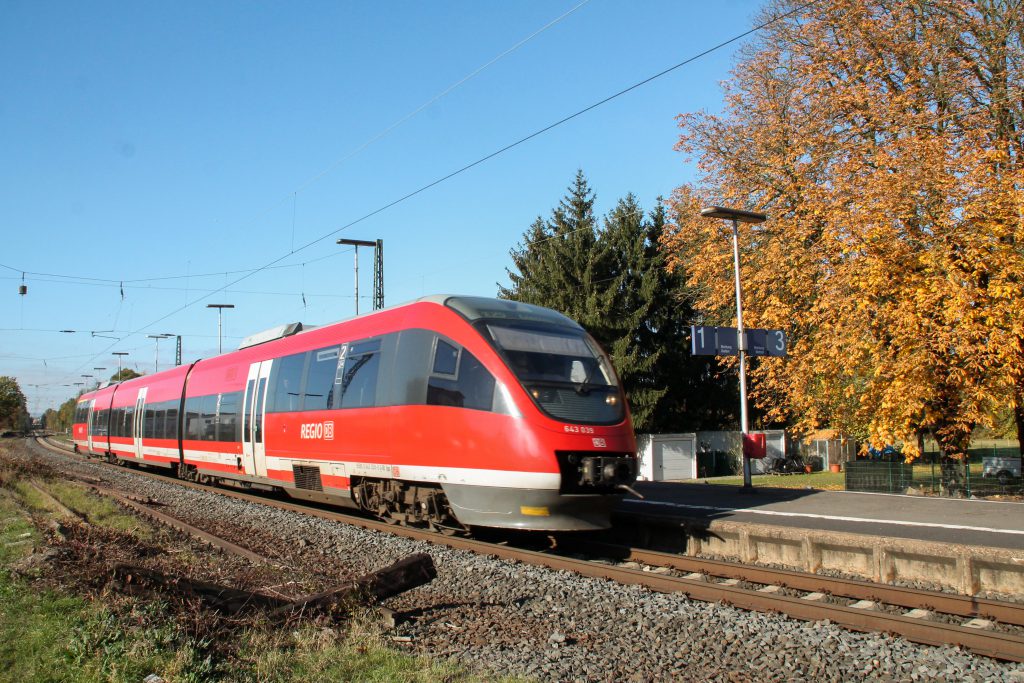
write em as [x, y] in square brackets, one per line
[777, 343]
[757, 342]
[724, 341]
[727, 341]
[703, 340]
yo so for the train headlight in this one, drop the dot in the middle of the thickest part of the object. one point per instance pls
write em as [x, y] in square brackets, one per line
[611, 399]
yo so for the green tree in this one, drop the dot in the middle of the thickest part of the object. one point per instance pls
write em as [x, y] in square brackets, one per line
[558, 262]
[124, 375]
[13, 410]
[614, 282]
[66, 413]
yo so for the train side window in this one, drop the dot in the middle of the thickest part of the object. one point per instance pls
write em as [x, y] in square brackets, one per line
[159, 417]
[227, 416]
[208, 417]
[357, 375]
[129, 421]
[472, 388]
[148, 422]
[285, 394]
[320, 373]
[446, 359]
[193, 423]
[171, 424]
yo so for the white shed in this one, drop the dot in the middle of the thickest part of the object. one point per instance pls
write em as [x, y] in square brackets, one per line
[666, 457]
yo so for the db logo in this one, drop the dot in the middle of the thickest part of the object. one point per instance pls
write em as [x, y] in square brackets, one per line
[600, 443]
[317, 430]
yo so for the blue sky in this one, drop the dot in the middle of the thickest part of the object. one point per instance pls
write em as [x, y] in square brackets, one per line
[146, 140]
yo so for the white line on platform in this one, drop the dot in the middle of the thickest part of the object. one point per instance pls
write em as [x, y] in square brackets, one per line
[838, 518]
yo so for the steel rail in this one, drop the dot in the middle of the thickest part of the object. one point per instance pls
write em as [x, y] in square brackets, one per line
[180, 525]
[990, 643]
[912, 598]
[52, 501]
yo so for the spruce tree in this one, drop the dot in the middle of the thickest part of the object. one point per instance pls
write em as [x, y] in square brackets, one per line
[558, 263]
[613, 281]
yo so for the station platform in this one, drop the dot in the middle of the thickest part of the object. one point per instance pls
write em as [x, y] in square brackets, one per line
[970, 546]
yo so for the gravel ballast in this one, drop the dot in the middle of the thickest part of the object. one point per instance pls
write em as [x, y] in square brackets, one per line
[508, 618]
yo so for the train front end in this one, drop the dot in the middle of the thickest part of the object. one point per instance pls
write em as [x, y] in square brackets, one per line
[573, 443]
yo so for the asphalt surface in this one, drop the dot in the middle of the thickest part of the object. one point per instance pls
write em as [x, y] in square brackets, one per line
[945, 520]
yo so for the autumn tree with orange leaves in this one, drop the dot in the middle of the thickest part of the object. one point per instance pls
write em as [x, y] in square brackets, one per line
[884, 140]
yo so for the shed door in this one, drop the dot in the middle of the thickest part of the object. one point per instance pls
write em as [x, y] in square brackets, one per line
[678, 458]
[254, 459]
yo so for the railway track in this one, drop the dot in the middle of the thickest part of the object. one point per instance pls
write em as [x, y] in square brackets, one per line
[986, 627]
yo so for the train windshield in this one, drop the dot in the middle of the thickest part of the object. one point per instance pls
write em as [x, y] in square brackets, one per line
[563, 369]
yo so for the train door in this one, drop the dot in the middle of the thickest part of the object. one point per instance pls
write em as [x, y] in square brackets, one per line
[140, 413]
[89, 426]
[254, 402]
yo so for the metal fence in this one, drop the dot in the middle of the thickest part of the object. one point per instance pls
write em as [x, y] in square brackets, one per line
[986, 473]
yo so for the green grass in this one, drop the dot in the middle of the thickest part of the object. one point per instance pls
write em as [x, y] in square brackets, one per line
[360, 654]
[97, 510]
[46, 636]
[828, 481]
[52, 636]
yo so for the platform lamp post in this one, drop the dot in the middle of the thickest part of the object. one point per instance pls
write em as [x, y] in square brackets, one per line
[99, 379]
[738, 216]
[220, 323]
[378, 269]
[87, 377]
[119, 354]
[157, 338]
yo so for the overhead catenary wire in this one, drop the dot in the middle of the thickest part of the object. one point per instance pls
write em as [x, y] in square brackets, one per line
[473, 164]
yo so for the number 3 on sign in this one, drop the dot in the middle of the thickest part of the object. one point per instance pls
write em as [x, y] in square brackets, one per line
[779, 342]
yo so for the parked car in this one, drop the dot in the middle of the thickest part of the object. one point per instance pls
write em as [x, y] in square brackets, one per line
[1003, 469]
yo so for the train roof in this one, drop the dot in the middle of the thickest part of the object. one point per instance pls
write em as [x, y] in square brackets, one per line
[475, 308]
[472, 308]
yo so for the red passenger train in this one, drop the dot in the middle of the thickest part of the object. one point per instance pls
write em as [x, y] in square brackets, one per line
[448, 411]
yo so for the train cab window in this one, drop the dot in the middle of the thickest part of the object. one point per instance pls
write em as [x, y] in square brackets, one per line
[469, 385]
[319, 385]
[285, 392]
[356, 381]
